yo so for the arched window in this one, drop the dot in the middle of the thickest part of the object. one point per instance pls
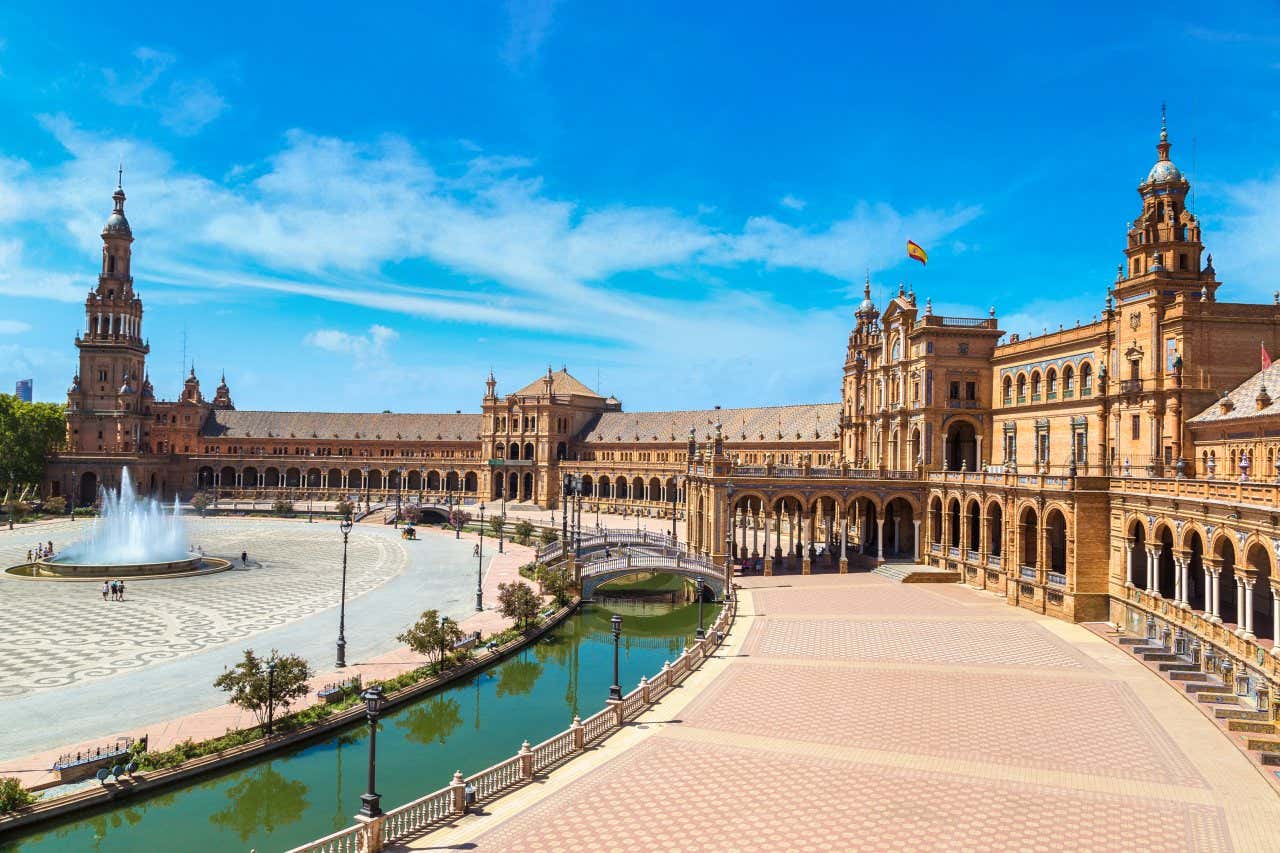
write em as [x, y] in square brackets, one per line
[1008, 390]
[1086, 379]
[1051, 383]
[1022, 388]
[1068, 381]
[1035, 386]
[897, 351]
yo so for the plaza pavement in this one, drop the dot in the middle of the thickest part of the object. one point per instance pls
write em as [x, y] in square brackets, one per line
[851, 713]
[78, 667]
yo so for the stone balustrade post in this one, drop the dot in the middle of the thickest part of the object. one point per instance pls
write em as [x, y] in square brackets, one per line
[526, 761]
[644, 690]
[371, 828]
[666, 674]
[458, 788]
[615, 705]
[579, 734]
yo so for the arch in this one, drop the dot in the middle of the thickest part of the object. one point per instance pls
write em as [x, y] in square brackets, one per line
[413, 482]
[1166, 572]
[562, 451]
[1138, 554]
[375, 478]
[655, 489]
[499, 450]
[470, 482]
[1225, 553]
[1258, 562]
[249, 477]
[935, 520]
[528, 487]
[637, 489]
[1068, 380]
[451, 481]
[962, 446]
[513, 452]
[204, 477]
[1008, 390]
[227, 477]
[1086, 379]
[606, 486]
[588, 484]
[1028, 532]
[528, 450]
[900, 529]
[88, 493]
[1055, 540]
[1035, 384]
[433, 481]
[973, 525]
[1022, 387]
[673, 491]
[953, 522]
[513, 486]
[271, 478]
[1051, 381]
[334, 479]
[621, 488]
[292, 477]
[995, 528]
[1193, 542]
[313, 478]
[393, 479]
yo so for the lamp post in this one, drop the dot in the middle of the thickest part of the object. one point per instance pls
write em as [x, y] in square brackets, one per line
[364, 469]
[345, 527]
[371, 805]
[675, 492]
[399, 488]
[564, 510]
[701, 633]
[480, 565]
[271, 698]
[503, 525]
[615, 691]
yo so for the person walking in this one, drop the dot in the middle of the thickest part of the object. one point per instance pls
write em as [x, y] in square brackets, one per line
[244, 559]
[113, 590]
[106, 587]
[122, 590]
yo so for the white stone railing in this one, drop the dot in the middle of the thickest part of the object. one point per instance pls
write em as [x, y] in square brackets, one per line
[451, 801]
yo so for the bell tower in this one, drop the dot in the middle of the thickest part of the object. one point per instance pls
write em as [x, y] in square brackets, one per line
[1163, 247]
[106, 400]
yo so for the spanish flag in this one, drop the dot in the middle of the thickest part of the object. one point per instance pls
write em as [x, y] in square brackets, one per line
[914, 251]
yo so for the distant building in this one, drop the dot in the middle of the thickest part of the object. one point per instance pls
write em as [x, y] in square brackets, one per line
[24, 390]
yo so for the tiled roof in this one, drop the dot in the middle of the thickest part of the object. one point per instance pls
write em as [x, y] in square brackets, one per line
[342, 425]
[561, 383]
[816, 421]
[1244, 399]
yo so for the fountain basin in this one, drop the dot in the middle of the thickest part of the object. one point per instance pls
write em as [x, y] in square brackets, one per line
[58, 570]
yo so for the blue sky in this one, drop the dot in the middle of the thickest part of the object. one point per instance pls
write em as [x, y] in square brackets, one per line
[367, 209]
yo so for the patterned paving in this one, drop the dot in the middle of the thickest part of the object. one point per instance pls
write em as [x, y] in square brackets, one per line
[1018, 644]
[714, 798]
[60, 633]
[834, 722]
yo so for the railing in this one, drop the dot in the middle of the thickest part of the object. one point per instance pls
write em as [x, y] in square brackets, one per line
[1027, 573]
[971, 555]
[451, 802]
[993, 560]
[962, 404]
[953, 552]
[1057, 578]
[1130, 386]
[67, 760]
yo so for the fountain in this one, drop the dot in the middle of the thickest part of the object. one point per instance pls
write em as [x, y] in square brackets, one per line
[135, 536]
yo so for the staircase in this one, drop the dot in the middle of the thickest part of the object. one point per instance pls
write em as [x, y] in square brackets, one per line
[1252, 730]
[914, 573]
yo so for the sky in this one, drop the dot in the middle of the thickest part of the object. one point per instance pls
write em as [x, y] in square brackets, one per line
[367, 208]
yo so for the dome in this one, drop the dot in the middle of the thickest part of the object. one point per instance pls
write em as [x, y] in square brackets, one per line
[116, 224]
[1164, 170]
[75, 385]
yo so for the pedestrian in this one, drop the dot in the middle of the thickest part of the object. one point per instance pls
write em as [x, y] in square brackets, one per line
[106, 587]
[244, 559]
[475, 552]
[113, 590]
[49, 553]
[28, 555]
[122, 590]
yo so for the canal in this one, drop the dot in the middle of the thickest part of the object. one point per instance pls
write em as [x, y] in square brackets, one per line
[307, 792]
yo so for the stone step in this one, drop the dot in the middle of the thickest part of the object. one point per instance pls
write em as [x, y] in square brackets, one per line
[1262, 744]
[1212, 684]
[1239, 714]
[1133, 641]
[1188, 676]
[1161, 656]
[1270, 758]
[1255, 726]
[1210, 698]
[1180, 665]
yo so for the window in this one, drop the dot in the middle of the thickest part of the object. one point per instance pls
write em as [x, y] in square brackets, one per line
[1008, 390]
[955, 391]
[1022, 389]
[928, 347]
[1182, 260]
[1035, 387]
[1135, 423]
[1051, 380]
[971, 390]
[964, 347]
[1086, 379]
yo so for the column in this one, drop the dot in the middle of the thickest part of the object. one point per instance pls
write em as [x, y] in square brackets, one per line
[755, 534]
[768, 553]
[806, 531]
[1248, 606]
[844, 543]
[1178, 565]
[1152, 568]
[879, 538]
[1214, 587]
[1239, 603]
[915, 522]
[1275, 620]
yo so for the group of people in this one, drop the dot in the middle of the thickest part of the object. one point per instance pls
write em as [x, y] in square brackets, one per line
[40, 552]
[113, 588]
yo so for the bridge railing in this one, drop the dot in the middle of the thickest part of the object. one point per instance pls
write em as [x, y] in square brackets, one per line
[451, 802]
[680, 563]
[604, 537]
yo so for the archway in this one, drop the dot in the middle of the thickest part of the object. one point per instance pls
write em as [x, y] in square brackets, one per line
[1138, 554]
[227, 477]
[204, 477]
[451, 481]
[973, 537]
[1195, 572]
[413, 482]
[1225, 552]
[1259, 563]
[292, 476]
[1055, 529]
[433, 481]
[272, 478]
[375, 479]
[470, 483]
[899, 530]
[935, 520]
[88, 493]
[962, 447]
[1029, 531]
[528, 488]
[249, 478]
[953, 523]
[1166, 571]
[995, 529]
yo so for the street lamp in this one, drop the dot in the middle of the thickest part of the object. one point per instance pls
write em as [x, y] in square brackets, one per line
[564, 512]
[502, 527]
[271, 690]
[701, 633]
[480, 565]
[399, 487]
[345, 527]
[675, 492]
[365, 470]
[371, 800]
[615, 691]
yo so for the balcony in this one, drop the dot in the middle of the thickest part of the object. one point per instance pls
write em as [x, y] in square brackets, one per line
[1057, 579]
[1130, 386]
[1027, 573]
[962, 404]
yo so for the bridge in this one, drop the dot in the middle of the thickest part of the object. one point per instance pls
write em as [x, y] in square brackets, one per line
[609, 538]
[599, 571]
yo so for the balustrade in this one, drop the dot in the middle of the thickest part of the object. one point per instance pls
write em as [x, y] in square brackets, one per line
[496, 778]
[418, 814]
[552, 750]
[1027, 573]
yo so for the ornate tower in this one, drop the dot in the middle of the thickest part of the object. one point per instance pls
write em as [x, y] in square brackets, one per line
[107, 400]
[222, 395]
[1164, 241]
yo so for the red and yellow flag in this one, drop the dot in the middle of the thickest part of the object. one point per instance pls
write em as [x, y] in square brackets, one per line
[914, 251]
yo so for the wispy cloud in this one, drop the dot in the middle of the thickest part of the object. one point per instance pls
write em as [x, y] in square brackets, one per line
[13, 327]
[528, 24]
[363, 348]
[185, 105]
[792, 203]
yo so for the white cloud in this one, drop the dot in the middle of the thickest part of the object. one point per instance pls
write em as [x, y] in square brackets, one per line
[528, 24]
[184, 105]
[13, 327]
[1243, 238]
[792, 203]
[364, 348]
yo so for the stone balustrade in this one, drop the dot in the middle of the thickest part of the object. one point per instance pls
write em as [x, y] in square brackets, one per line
[370, 835]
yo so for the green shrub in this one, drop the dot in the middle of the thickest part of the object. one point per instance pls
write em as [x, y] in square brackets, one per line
[282, 507]
[13, 796]
[524, 530]
[84, 512]
[55, 505]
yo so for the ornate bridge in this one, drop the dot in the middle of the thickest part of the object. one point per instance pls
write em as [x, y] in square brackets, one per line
[593, 573]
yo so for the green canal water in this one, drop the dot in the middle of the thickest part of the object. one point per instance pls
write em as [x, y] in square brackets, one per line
[308, 792]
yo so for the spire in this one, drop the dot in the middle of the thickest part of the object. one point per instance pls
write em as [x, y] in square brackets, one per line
[1164, 146]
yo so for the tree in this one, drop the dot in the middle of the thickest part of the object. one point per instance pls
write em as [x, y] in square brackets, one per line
[432, 720]
[200, 502]
[523, 531]
[345, 508]
[282, 507]
[55, 505]
[549, 535]
[248, 682]
[29, 434]
[13, 795]
[263, 800]
[432, 635]
[517, 677]
[459, 518]
[495, 524]
[556, 581]
[517, 601]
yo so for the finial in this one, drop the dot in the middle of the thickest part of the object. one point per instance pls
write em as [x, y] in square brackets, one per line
[992, 312]
[1164, 123]
[120, 176]
[928, 306]
[901, 288]
[1204, 293]
[1119, 272]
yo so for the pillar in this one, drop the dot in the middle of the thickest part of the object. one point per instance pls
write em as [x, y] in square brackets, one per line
[755, 535]
[915, 522]
[1153, 568]
[879, 538]
[768, 553]
[844, 545]
[1239, 602]
[806, 528]
[1178, 567]
[1275, 620]
[1248, 607]
[1213, 589]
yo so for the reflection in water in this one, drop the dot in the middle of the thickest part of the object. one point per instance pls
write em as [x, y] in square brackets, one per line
[310, 791]
[264, 800]
[517, 677]
[434, 719]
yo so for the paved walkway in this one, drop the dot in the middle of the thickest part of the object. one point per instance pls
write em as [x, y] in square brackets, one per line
[83, 666]
[853, 713]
